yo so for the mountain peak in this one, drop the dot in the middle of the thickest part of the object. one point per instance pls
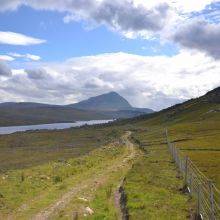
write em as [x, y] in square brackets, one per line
[112, 93]
[110, 101]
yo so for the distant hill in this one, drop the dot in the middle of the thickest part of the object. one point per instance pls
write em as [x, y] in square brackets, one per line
[106, 106]
[111, 101]
[28, 114]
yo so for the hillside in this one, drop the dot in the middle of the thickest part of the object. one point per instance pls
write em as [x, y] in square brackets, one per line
[78, 168]
[194, 126]
[80, 172]
[28, 114]
[194, 129]
[106, 106]
[206, 107]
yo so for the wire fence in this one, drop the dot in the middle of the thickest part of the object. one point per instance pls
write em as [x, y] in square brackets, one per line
[202, 189]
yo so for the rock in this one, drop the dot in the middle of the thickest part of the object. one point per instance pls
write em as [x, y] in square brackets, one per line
[89, 211]
[83, 199]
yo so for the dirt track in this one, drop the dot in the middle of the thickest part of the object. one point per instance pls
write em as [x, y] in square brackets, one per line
[90, 182]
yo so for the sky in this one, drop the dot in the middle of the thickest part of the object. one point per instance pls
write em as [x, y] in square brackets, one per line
[155, 53]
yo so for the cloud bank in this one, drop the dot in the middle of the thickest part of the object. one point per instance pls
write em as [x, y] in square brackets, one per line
[4, 69]
[200, 35]
[155, 82]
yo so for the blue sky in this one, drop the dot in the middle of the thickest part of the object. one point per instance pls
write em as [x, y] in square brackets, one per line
[154, 53]
[73, 39]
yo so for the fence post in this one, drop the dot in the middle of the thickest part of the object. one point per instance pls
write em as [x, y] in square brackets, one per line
[186, 169]
[173, 147]
[176, 156]
[180, 165]
[190, 183]
[212, 208]
[171, 150]
[174, 153]
[166, 132]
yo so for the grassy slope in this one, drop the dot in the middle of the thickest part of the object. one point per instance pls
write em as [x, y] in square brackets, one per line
[26, 191]
[194, 127]
[10, 116]
[101, 195]
[151, 185]
[201, 142]
[33, 148]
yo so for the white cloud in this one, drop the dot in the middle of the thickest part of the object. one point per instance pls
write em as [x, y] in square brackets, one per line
[12, 38]
[131, 18]
[155, 82]
[6, 58]
[26, 56]
[5, 70]
[33, 57]
[185, 6]
[200, 35]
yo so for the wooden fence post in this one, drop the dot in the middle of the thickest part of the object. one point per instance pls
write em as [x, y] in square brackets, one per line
[212, 208]
[166, 132]
[190, 183]
[186, 169]
[176, 156]
[173, 147]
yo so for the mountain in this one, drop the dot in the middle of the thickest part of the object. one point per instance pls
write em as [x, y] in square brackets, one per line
[212, 96]
[109, 102]
[106, 106]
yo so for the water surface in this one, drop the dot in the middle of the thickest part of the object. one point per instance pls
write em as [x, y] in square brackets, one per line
[59, 126]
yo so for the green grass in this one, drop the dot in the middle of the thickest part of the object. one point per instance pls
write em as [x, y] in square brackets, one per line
[28, 149]
[37, 187]
[202, 144]
[101, 200]
[100, 194]
[152, 186]
[37, 168]
[194, 127]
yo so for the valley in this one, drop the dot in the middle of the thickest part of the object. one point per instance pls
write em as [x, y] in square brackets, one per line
[106, 106]
[109, 110]
[61, 174]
